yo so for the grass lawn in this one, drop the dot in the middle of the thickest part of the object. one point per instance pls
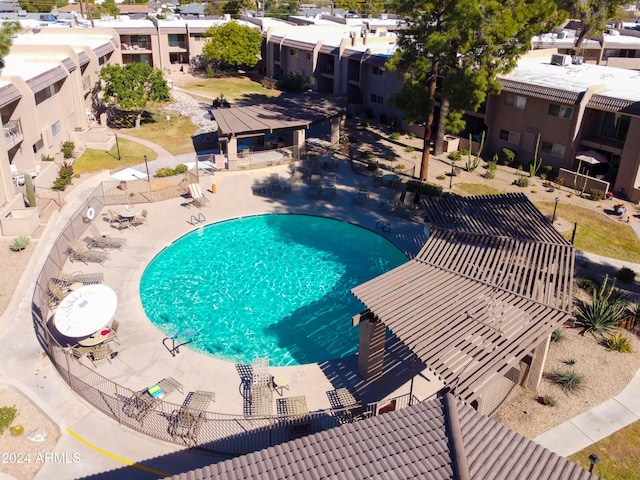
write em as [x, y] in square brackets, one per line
[131, 153]
[235, 89]
[618, 453]
[174, 135]
[597, 233]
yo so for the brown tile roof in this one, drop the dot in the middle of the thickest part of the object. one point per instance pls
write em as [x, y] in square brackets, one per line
[546, 93]
[610, 104]
[287, 112]
[437, 439]
[492, 281]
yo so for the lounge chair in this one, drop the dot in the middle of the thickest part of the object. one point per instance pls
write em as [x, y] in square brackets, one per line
[142, 402]
[104, 241]
[79, 251]
[362, 195]
[197, 197]
[187, 420]
[393, 201]
[140, 219]
[261, 394]
[100, 352]
[65, 280]
[329, 186]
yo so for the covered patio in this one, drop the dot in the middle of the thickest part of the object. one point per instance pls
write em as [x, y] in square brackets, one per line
[276, 127]
[479, 302]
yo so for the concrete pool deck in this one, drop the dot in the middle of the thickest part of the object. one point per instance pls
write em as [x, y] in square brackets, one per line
[143, 360]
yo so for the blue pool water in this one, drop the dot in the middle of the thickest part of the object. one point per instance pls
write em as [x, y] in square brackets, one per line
[272, 286]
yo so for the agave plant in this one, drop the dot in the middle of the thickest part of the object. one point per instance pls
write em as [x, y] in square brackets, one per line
[604, 312]
[19, 243]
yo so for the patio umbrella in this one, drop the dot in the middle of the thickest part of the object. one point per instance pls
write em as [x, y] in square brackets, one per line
[86, 310]
[591, 157]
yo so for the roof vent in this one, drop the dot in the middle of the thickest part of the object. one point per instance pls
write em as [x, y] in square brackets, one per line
[577, 59]
[560, 59]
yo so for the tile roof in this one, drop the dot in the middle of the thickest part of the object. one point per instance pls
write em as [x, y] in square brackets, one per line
[436, 439]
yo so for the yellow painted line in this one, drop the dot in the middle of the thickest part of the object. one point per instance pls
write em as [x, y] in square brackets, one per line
[117, 458]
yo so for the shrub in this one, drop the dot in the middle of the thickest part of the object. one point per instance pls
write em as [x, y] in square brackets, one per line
[455, 156]
[65, 174]
[619, 342]
[395, 136]
[507, 156]
[588, 284]
[440, 177]
[46, 158]
[67, 148]
[596, 194]
[400, 166]
[412, 135]
[169, 172]
[570, 381]
[547, 400]
[19, 243]
[368, 154]
[373, 166]
[559, 181]
[571, 362]
[409, 149]
[626, 275]
[557, 335]
[292, 82]
[548, 170]
[7, 416]
[522, 181]
[603, 313]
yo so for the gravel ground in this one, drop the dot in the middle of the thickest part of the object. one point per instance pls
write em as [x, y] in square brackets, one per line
[605, 374]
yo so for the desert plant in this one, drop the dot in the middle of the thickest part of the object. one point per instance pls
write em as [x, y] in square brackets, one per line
[368, 154]
[588, 284]
[534, 166]
[619, 342]
[596, 194]
[473, 162]
[603, 313]
[400, 166]
[30, 189]
[19, 243]
[67, 148]
[557, 335]
[569, 381]
[559, 181]
[492, 168]
[409, 149]
[46, 158]
[373, 166]
[522, 181]
[454, 156]
[626, 275]
[547, 400]
[394, 136]
[7, 416]
[440, 177]
[507, 156]
[571, 362]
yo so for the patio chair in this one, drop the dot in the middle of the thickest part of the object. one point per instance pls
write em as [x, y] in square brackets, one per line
[187, 420]
[78, 352]
[140, 219]
[329, 186]
[362, 195]
[198, 198]
[56, 294]
[104, 241]
[112, 336]
[79, 251]
[139, 405]
[100, 352]
[65, 280]
[116, 221]
[275, 188]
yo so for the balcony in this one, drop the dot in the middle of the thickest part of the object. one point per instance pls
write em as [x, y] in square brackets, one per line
[86, 84]
[177, 45]
[12, 133]
[595, 139]
[134, 47]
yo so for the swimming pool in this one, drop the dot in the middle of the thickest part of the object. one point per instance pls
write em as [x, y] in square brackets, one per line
[272, 286]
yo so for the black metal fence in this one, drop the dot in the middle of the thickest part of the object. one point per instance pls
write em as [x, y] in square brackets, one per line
[229, 434]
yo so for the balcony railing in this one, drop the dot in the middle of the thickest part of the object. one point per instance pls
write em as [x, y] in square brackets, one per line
[12, 133]
[181, 45]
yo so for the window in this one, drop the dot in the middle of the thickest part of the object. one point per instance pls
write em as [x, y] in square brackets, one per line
[378, 71]
[377, 98]
[515, 100]
[293, 52]
[561, 111]
[199, 38]
[554, 149]
[38, 145]
[510, 137]
[55, 129]
[47, 92]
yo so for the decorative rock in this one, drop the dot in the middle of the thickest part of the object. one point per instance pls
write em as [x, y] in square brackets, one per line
[37, 435]
[17, 430]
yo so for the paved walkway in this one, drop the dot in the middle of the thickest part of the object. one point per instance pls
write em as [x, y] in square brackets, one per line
[104, 445]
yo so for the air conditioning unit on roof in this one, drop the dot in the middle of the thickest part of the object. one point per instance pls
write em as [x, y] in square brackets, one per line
[560, 59]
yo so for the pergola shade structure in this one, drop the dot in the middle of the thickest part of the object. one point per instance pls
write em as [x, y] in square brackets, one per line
[285, 113]
[492, 282]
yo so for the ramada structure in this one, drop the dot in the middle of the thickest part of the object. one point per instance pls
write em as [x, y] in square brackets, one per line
[479, 302]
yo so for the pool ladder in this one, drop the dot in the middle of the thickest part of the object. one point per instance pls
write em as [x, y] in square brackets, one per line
[191, 335]
[196, 220]
[383, 225]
